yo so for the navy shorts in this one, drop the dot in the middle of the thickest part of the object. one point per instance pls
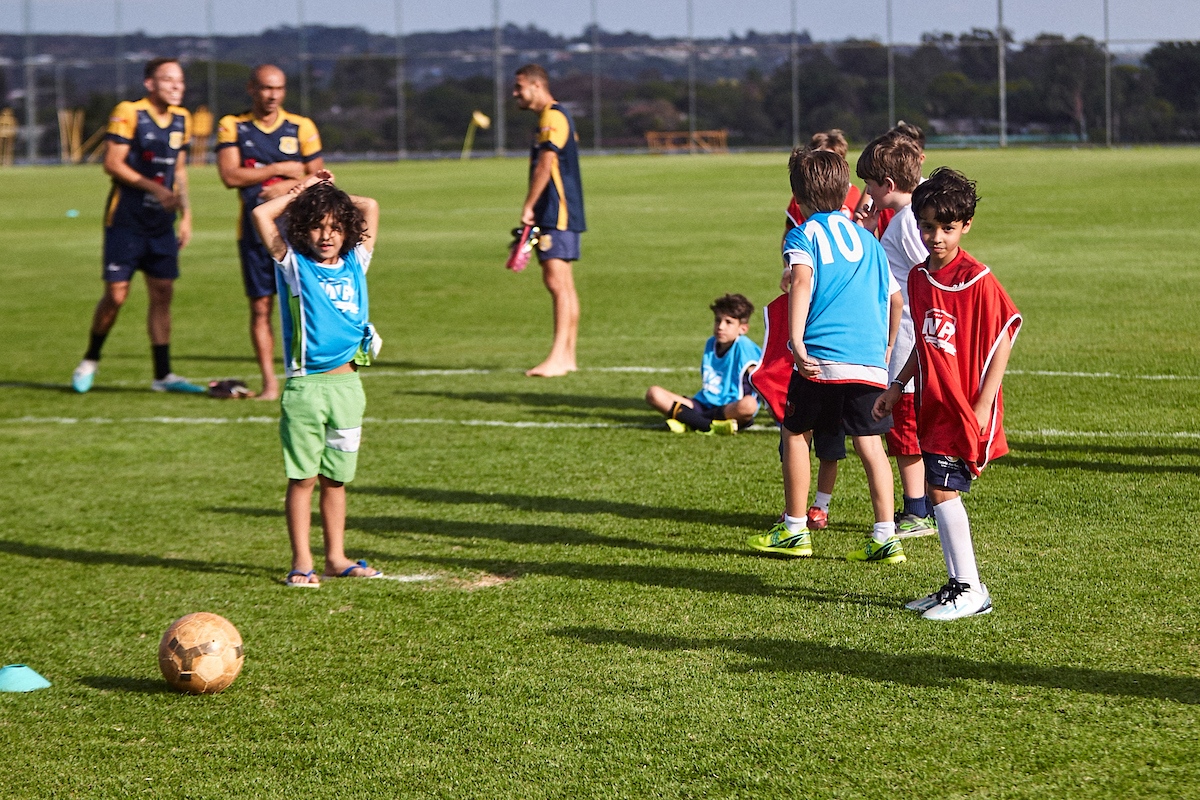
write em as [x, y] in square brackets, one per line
[258, 269]
[126, 251]
[563, 245]
[830, 445]
[827, 408]
[947, 472]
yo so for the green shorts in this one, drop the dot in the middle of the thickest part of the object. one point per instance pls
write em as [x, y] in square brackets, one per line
[321, 425]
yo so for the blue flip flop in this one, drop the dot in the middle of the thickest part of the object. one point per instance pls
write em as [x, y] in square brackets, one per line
[298, 584]
[356, 565]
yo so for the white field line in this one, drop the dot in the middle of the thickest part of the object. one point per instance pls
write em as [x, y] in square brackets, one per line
[408, 578]
[435, 373]
[1050, 433]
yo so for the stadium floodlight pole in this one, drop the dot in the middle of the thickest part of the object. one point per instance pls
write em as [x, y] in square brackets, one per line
[795, 53]
[31, 128]
[1001, 72]
[691, 42]
[498, 68]
[595, 78]
[1108, 115]
[401, 104]
[118, 27]
[212, 60]
[303, 59]
[891, 68]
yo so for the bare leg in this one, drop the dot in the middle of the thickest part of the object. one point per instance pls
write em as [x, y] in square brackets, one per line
[827, 476]
[796, 473]
[158, 318]
[333, 522]
[912, 475]
[560, 282]
[299, 521]
[879, 475]
[263, 339]
[105, 315]
[663, 401]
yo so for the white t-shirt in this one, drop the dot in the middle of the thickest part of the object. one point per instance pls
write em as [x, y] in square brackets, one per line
[905, 250]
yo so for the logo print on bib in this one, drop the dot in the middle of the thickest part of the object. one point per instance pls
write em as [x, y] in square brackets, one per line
[341, 292]
[175, 140]
[289, 145]
[938, 330]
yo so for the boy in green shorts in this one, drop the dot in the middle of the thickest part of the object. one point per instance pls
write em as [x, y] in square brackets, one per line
[321, 272]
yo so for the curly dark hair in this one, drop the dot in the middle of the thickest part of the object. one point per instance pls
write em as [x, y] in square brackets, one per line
[948, 194]
[312, 206]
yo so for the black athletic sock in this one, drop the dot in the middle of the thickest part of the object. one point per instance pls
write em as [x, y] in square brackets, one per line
[691, 417]
[94, 344]
[162, 360]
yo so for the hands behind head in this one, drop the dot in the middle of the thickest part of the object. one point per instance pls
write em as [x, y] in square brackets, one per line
[317, 177]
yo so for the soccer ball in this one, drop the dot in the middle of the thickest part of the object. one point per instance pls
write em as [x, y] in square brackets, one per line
[200, 653]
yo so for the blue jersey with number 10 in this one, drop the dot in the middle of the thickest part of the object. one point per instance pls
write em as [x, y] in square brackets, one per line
[848, 313]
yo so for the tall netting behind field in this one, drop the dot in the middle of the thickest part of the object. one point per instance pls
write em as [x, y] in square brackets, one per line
[377, 95]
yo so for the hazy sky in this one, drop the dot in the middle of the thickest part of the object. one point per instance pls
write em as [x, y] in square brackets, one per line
[1128, 19]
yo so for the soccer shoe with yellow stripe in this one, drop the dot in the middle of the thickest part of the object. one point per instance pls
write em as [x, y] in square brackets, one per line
[890, 552]
[782, 541]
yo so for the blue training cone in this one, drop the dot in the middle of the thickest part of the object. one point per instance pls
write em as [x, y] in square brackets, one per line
[20, 678]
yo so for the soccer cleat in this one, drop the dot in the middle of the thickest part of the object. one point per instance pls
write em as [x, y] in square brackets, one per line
[890, 552]
[724, 427]
[84, 375]
[910, 525]
[782, 541]
[675, 426]
[927, 602]
[174, 383]
[961, 600]
[818, 519]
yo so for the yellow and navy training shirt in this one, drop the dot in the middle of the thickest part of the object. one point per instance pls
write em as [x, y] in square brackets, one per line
[155, 142]
[290, 137]
[561, 206]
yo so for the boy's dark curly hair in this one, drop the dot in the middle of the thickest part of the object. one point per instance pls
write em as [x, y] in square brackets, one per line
[948, 194]
[312, 206]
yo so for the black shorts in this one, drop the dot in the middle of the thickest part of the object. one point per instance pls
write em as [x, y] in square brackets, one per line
[563, 245]
[126, 251]
[826, 408]
[947, 472]
[258, 268]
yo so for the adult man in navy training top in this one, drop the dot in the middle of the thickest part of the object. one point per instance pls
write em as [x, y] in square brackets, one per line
[263, 153]
[555, 204]
[146, 157]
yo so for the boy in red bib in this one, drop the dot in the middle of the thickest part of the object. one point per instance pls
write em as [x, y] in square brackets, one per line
[965, 326]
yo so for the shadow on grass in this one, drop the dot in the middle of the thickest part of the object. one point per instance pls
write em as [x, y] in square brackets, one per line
[65, 388]
[496, 531]
[932, 671]
[128, 559]
[121, 683]
[1018, 460]
[573, 406]
[698, 580]
[1092, 448]
[571, 505]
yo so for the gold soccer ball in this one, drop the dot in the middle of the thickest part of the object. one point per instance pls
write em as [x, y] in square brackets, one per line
[200, 653]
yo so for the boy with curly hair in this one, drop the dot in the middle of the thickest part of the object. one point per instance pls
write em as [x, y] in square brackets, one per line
[321, 272]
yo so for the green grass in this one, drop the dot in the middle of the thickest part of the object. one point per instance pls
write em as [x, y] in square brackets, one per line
[595, 627]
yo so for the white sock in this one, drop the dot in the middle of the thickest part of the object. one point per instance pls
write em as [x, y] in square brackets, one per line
[954, 531]
[794, 524]
[883, 531]
[822, 500]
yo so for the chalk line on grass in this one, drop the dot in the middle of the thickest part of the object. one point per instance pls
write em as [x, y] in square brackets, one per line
[531, 424]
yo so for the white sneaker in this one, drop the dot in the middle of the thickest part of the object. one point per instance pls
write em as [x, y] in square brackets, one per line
[930, 600]
[84, 375]
[174, 383]
[961, 600]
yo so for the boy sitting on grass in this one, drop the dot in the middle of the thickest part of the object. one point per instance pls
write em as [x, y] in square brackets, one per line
[966, 325]
[724, 402]
[321, 271]
[838, 310]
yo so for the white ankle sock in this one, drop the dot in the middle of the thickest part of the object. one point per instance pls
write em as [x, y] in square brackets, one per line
[883, 531]
[822, 501]
[794, 524]
[954, 531]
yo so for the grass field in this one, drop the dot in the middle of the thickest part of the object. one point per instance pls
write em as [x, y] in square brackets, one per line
[592, 625]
